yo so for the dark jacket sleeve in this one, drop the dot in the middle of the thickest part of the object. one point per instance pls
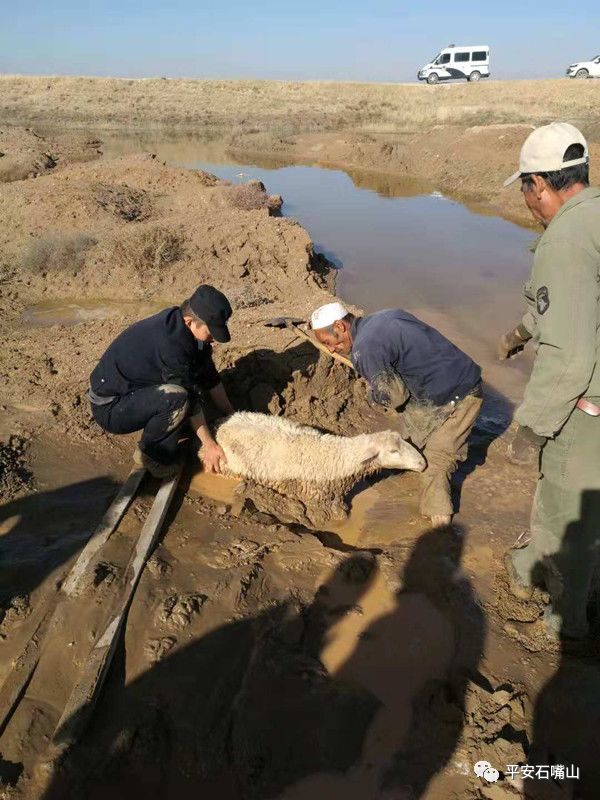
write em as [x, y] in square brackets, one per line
[387, 387]
[207, 376]
[190, 367]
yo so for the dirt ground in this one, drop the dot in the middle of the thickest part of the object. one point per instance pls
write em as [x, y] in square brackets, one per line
[378, 659]
[26, 154]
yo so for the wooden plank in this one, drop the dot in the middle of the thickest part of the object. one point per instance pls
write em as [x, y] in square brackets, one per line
[81, 702]
[17, 680]
[24, 666]
[109, 522]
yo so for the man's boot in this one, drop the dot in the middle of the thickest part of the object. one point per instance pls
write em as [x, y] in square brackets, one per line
[157, 470]
[520, 590]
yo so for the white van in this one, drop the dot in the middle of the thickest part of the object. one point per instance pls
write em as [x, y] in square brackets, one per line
[470, 62]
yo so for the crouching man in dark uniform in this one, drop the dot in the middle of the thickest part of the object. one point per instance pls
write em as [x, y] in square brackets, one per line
[151, 375]
[412, 368]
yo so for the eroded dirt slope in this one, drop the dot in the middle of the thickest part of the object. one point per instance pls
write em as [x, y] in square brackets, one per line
[24, 153]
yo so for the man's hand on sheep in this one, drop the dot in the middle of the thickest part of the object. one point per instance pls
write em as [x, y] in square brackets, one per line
[213, 457]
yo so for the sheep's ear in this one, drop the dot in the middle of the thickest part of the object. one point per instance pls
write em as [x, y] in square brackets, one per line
[370, 454]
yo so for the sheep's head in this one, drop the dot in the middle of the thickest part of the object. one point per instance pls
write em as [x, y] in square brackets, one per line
[389, 450]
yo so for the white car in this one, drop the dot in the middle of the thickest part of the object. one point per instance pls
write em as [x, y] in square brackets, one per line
[585, 69]
[469, 62]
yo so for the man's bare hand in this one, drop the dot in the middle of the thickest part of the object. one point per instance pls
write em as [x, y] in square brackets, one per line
[213, 457]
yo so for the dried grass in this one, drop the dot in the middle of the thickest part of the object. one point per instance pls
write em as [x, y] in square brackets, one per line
[149, 249]
[251, 196]
[130, 205]
[282, 107]
[57, 252]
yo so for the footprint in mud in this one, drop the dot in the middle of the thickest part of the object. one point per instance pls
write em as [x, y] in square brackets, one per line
[104, 574]
[511, 609]
[158, 567]
[240, 552]
[177, 611]
[16, 613]
[102, 583]
[157, 649]
[245, 551]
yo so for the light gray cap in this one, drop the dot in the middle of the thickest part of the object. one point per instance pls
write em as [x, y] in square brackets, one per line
[545, 148]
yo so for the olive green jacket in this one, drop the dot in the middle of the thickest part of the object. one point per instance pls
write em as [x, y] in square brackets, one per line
[563, 296]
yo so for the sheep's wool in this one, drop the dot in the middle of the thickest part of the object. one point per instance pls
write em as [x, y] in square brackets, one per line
[269, 448]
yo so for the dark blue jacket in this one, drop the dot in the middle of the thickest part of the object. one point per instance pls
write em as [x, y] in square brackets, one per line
[159, 349]
[394, 343]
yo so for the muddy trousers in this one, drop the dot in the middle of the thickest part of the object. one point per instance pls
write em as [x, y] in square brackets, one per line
[444, 449]
[565, 524]
[160, 411]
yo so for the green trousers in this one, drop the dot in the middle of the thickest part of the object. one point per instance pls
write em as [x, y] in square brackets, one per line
[565, 524]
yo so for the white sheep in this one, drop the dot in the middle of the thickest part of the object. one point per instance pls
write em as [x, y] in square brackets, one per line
[299, 469]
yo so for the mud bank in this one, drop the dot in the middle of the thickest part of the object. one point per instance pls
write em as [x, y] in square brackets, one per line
[26, 154]
[376, 659]
[468, 163]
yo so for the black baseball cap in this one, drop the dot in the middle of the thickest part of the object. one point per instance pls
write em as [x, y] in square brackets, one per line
[212, 307]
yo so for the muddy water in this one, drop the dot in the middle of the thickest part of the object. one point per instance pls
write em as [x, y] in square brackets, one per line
[74, 311]
[375, 514]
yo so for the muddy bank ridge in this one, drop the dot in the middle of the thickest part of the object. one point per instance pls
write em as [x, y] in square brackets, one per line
[470, 163]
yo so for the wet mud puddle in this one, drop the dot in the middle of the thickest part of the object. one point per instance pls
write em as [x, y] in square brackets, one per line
[75, 311]
[375, 517]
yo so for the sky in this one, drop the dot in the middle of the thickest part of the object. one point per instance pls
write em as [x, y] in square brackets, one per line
[362, 40]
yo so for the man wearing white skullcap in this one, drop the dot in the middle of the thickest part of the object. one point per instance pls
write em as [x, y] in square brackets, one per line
[326, 315]
[408, 363]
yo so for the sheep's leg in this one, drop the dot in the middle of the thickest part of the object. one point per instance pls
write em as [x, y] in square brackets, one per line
[267, 500]
[325, 507]
[339, 508]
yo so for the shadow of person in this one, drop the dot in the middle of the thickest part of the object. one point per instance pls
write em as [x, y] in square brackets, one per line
[416, 660]
[242, 712]
[42, 530]
[566, 724]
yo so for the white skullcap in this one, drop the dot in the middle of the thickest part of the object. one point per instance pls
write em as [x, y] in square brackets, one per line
[326, 315]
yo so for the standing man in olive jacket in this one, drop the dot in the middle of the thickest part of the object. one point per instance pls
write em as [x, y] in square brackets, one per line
[560, 413]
